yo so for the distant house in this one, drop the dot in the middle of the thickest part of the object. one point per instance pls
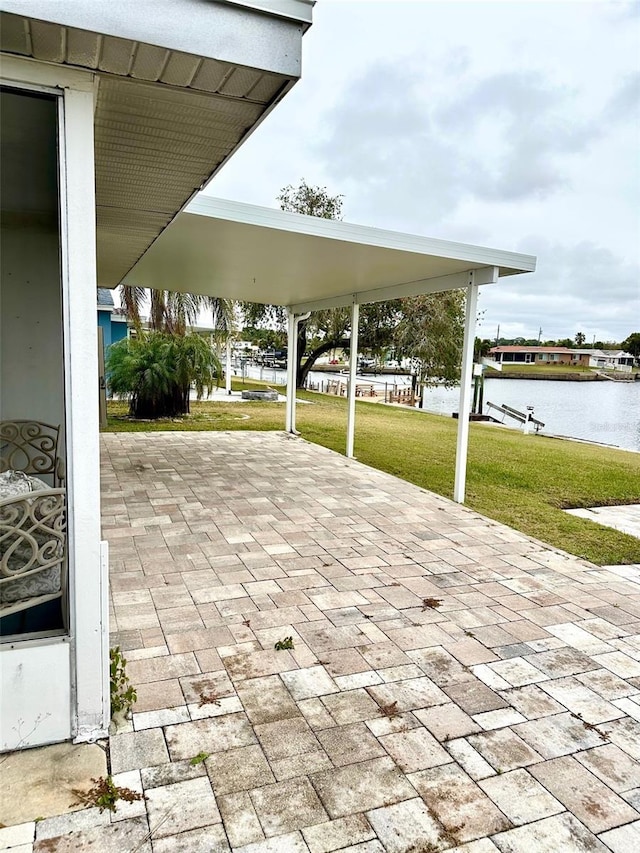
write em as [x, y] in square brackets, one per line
[113, 324]
[595, 358]
[607, 359]
[540, 355]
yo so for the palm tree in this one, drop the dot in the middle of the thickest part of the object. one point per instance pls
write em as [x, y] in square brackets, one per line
[158, 367]
[156, 371]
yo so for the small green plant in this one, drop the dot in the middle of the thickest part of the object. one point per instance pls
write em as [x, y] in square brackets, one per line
[199, 758]
[105, 794]
[123, 694]
[281, 645]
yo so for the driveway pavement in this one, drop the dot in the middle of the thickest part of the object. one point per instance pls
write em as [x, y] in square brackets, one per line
[451, 683]
[623, 518]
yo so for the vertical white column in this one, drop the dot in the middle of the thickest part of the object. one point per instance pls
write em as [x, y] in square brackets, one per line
[294, 369]
[353, 366]
[464, 408]
[294, 400]
[291, 371]
[87, 591]
[228, 367]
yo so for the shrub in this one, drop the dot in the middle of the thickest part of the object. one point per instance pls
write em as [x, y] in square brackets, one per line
[156, 370]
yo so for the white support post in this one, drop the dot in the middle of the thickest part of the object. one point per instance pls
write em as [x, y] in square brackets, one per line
[87, 593]
[228, 368]
[291, 372]
[353, 366]
[464, 409]
[294, 400]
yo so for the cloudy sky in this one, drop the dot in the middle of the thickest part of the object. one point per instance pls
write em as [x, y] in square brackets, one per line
[509, 124]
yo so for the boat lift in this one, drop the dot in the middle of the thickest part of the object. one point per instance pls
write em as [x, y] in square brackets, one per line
[525, 418]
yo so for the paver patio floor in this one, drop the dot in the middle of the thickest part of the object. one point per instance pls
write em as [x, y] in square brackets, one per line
[452, 684]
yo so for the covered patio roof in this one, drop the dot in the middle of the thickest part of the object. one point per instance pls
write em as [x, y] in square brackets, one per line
[258, 254]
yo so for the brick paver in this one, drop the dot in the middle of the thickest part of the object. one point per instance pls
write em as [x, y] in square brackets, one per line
[506, 715]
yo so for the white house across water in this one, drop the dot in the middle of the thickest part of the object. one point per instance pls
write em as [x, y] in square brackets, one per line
[113, 116]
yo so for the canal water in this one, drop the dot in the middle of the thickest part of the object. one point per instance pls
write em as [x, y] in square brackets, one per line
[605, 412]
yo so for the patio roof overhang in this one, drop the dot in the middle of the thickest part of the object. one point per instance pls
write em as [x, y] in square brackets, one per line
[240, 251]
[258, 254]
[179, 86]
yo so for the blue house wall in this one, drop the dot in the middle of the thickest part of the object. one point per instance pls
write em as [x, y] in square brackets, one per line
[112, 330]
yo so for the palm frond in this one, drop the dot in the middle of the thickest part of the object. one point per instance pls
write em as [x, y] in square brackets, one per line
[222, 313]
[132, 299]
[182, 310]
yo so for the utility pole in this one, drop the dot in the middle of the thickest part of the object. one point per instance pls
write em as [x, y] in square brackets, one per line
[539, 334]
[498, 335]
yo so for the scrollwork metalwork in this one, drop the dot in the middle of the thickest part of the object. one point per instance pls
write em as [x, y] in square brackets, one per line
[32, 549]
[31, 447]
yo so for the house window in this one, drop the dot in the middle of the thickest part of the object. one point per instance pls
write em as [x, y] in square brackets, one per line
[33, 552]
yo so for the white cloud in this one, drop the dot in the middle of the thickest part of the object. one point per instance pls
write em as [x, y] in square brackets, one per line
[510, 124]
[581, 287]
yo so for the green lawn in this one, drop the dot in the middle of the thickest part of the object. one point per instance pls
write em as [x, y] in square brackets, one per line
[523, 481]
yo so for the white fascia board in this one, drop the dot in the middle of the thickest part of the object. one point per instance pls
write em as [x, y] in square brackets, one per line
[239, 34]
[510, 263]
[438, 284]
[33, 72]
[297, 10]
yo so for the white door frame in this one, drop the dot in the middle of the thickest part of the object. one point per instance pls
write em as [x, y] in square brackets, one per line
[81, 657]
